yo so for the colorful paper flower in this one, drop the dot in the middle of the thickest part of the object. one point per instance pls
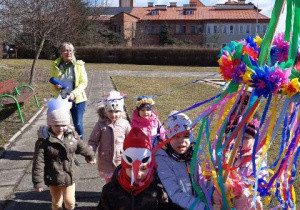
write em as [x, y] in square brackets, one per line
[291, 88]
[251, 48]
[257, 40]
[226, 66]
[247, 76]
[278, 78]
[280, 49]
[239, 70]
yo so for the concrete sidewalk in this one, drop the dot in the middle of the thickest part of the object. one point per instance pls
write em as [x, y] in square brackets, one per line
[16, 189]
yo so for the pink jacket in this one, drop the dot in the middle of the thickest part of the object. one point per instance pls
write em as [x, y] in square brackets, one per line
[108, 138]
[149, 126]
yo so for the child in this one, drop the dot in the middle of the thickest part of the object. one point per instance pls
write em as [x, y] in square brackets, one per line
[243, 167]
[53, 162]
[173, 164]
[134, 184]
[145, 118]
[109, 133]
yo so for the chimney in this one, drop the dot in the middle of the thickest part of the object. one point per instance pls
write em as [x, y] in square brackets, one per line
[173, 4]
[150, 4]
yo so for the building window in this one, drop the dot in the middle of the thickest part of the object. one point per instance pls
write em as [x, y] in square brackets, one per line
[264, 29]
[118, 29]
[183, 31]
[193, 29]
[241, 29]
[152, 29]
[154, 12]
[215, 27]
[199, 29]
[258, 29]
[231, 29]
[177, 29]
[161, 28]
[248, 30]
[114, 27]
[212, 29]
[208, 45]
[146, 29]
[224, 29]
[189, 12]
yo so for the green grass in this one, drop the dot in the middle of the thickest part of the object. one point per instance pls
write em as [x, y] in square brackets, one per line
[178, 99]
[20, 69]
[183, 98]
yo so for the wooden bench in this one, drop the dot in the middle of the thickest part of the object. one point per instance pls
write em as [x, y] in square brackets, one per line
[12, 94]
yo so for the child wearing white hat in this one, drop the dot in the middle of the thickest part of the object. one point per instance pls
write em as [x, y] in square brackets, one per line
[54, 156]
[173, 163]
[109, 133]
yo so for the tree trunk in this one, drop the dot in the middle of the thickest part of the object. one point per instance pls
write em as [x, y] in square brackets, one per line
[37, 55]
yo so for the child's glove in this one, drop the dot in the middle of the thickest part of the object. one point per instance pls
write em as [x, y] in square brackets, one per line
[93, 162]
[39, 189]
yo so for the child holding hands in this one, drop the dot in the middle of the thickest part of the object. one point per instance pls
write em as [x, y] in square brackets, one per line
[53, 161]
[109, 133]
[146, 119]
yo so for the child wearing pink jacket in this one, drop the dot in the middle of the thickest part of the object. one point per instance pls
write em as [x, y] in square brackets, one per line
[109, 133]
[146, 119]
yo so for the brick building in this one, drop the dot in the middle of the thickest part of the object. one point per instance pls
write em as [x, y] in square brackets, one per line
[194, 23]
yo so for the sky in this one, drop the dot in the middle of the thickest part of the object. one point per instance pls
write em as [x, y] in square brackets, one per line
[265, 5]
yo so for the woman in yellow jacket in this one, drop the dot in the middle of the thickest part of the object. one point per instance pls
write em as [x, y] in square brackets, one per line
[72, 74]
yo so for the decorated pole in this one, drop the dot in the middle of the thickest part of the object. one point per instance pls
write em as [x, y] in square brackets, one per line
[265, 48]
[268, 38]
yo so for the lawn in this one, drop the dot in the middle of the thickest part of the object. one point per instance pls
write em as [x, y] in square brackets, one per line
[176, 96]
[20, 69]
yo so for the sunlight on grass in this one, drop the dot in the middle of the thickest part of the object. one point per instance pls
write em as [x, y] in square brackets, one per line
[182, 98]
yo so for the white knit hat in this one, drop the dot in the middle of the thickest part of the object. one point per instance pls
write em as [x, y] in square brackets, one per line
[59, 117]
[177, 123]
[114, 100]
[58, 112]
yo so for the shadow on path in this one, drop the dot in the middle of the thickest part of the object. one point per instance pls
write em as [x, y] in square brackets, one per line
[42, 201]
[17, 155]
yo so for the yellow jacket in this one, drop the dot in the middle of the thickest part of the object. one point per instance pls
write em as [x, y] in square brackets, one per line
[81, 80]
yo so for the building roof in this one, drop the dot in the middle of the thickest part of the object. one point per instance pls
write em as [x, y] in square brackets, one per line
[109, 11]
[201, 13]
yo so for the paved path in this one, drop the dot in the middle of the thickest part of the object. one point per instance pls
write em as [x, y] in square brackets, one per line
[16, 189]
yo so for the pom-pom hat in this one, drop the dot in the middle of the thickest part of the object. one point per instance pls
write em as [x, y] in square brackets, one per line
[137, 152]
[144, 101]
[177, 123]
[114, 100]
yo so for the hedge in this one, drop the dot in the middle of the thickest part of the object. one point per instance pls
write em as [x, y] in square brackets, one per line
[181, 56]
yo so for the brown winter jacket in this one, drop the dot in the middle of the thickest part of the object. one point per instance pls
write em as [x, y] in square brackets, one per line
[108, 138]
[53, 161]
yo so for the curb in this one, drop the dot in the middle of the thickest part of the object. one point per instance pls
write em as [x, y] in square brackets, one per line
[16, 135]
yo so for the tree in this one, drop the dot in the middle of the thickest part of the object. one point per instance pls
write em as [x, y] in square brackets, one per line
[165, 36]
[46, 20]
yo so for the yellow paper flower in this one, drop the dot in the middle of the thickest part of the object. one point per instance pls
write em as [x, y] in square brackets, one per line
[258, 40]
[291, 88]
[247, 76]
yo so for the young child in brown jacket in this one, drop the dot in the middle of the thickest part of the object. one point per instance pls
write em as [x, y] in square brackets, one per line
[53, 161]
[109, 133]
